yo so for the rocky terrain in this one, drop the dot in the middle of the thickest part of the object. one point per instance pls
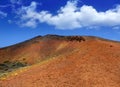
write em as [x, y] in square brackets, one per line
[61, 61]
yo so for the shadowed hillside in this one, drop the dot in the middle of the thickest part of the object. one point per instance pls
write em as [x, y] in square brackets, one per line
[63, 61]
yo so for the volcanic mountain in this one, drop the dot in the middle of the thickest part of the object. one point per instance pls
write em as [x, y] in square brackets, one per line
[62, 61]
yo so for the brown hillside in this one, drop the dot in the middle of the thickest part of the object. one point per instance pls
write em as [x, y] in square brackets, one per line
[38, 48]
[64, 61]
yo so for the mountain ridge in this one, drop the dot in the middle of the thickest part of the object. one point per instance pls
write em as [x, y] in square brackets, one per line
[57, 61]
[59, 36]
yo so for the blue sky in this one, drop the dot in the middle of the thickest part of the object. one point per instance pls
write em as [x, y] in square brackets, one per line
[21, 20]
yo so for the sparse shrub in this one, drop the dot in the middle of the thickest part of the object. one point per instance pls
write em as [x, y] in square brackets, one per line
[24, 59]
[7, 61]
[19, 64]
[75, 38]
[8, 66]
[111, 46]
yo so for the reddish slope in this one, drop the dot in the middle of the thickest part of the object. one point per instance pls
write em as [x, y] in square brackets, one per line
[90, 63]
[36, 49]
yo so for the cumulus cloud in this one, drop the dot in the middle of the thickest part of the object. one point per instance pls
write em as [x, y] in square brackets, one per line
[2, 14]
[70, 16]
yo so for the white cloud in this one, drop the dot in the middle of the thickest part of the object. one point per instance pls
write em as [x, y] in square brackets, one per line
[2, 14]
[15, 1]
[70, 16]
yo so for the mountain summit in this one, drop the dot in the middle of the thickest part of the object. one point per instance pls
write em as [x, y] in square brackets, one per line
[63, 61]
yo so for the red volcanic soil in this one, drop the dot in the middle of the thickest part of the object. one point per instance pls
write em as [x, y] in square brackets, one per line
[58, 61]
